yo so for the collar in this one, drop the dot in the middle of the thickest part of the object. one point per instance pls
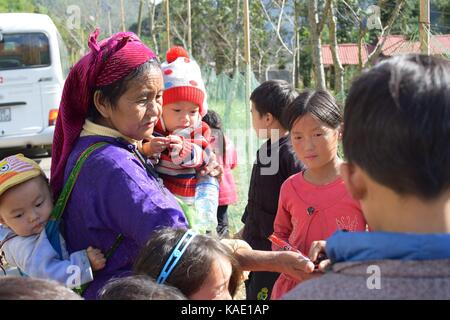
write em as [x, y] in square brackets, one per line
[92, 129]
[364, 246]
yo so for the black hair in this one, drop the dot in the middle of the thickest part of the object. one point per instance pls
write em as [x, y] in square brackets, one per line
[195, 264]
[111, 93]
[320, 104]
[397, 124]
[273, 97]
[139, 287]
[213, 120]
[25, 288]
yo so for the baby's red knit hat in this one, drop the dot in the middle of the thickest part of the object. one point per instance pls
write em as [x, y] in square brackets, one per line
[183, 80]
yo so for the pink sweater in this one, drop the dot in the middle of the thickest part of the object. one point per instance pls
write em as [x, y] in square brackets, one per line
[227, 187]
[330, 208]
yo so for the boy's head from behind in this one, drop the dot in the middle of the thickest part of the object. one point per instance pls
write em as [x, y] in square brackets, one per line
[268, 102]
[207, 270]
[139, 287]
[25, 199]
[27, 288]
[397, 127]
[184, 96]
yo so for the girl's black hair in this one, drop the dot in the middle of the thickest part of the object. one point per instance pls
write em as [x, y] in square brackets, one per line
[111, 93]
[213, 120]
[321, 104]
[194, 265]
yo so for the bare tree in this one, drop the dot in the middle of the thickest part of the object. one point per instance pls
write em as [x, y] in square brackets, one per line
[338, 68]
[384, 33]
[139, 22]
[316, 26]
[122, 16]
[383, 36]
[151, 24]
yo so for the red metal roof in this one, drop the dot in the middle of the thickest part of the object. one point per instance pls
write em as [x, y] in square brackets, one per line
[394, 45]
[348, 53]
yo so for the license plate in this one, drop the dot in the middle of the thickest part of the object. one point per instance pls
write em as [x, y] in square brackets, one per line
[5, 114]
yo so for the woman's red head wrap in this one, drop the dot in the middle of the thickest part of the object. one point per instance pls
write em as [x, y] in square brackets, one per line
[108, 61]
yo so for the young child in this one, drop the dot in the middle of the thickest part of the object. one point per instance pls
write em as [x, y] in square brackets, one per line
[181, 141]
[25, 208]
[314, 203]
[26, 288]
[275, 162]
[140, 287]
[397, 145]
[200, 266]
[226, 156]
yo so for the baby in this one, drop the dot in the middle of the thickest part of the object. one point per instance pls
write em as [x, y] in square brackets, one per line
[25, 208]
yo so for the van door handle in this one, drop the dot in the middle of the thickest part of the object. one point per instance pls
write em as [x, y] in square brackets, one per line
[12, 104]
[45, 79]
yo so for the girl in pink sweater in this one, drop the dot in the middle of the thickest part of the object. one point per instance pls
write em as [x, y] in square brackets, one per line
[314, 203]
[227, 158]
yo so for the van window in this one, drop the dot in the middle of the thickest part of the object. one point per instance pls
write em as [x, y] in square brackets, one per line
[24, 50]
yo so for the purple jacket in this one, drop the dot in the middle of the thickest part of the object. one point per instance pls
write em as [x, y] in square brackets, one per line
[115, 195]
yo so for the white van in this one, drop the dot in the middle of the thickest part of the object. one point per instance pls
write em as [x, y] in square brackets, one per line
[33, 66]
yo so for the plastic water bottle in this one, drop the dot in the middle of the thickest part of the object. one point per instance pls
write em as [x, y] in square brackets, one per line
[206, 203]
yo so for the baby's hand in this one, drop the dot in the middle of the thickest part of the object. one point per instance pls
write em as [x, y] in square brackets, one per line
[96, 258]
[176, 143]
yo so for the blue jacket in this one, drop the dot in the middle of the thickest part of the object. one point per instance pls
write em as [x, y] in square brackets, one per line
[35, 256]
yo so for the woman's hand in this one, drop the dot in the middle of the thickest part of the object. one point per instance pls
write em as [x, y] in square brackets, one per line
[155, 145]
[291, 263]
[295, 265]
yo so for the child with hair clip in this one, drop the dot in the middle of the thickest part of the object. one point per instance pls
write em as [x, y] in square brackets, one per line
[314, 203]
[200, 266]
[25, 208]
[226, 155]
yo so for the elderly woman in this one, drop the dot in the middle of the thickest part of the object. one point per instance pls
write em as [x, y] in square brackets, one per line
[113, 95]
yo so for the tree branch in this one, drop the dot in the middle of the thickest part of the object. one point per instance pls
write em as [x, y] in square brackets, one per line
[321, 23]
[387, 30]
[277, 31]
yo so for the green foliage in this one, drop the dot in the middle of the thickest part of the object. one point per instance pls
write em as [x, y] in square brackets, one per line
[17, 6]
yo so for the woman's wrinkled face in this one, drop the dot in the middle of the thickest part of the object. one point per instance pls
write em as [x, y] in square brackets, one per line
[138, 110]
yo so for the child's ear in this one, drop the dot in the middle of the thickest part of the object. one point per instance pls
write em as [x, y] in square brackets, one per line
[340, 131]
[268, 119]
[354, 180]
[102, 106]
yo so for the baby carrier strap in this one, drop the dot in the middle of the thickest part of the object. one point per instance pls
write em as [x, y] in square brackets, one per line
[52, 227]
